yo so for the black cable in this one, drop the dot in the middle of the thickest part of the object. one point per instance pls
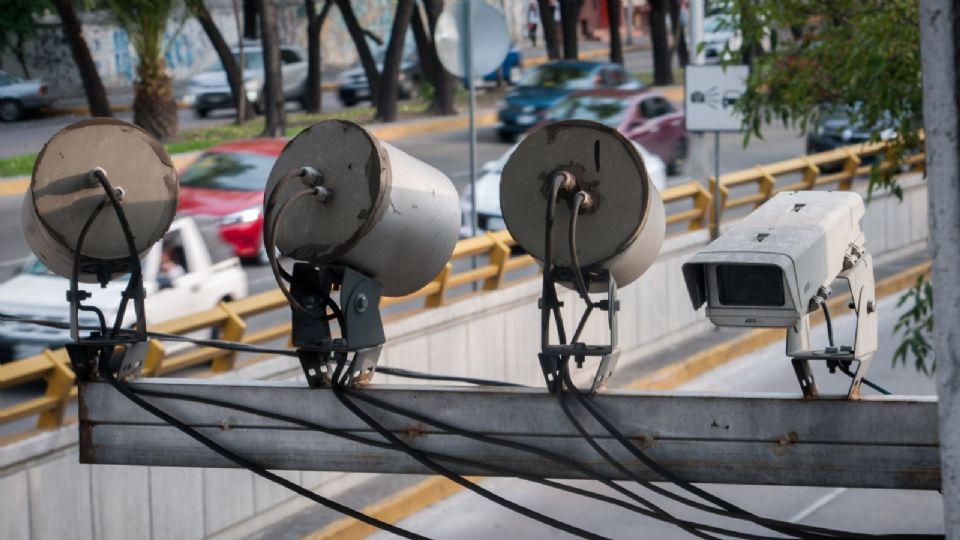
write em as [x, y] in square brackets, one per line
[136, 276]
[251, 466]
[498, 469]
[844, 368]
[420, 457]
[664, 515]
[733, 511]
[506, 443]
[407, 374]
[105, 373]
[581, 285]
[826, 318]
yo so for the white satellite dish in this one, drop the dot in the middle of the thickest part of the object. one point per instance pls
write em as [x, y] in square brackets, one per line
[491, 39]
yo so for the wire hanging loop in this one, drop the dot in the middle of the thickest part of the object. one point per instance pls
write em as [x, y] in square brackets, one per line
[553, 357]
[99, 347]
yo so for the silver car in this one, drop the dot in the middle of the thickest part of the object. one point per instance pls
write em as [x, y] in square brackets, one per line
[17, 97]
[210, 90]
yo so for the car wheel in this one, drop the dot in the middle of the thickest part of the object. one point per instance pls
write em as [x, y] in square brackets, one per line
[11, 110]
[679, 155]
[506, 136]
[201, 113]
[348, 102]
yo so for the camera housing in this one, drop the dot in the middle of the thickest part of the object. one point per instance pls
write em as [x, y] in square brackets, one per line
[774, 267]
[768, 269]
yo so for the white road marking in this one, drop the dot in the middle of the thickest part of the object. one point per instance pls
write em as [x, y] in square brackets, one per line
[817, 505]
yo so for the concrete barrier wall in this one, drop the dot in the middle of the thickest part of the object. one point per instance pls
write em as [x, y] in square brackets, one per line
[45, 493]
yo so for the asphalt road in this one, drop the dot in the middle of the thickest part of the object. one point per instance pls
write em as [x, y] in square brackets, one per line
[467, 516]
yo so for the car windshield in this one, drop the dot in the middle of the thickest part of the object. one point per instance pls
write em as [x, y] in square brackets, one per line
[606, 110]
[556, 77]
[252, 59]
[6, 78]
[229, 170]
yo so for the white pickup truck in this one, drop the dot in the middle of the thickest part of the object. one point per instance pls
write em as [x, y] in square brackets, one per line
[190, 270]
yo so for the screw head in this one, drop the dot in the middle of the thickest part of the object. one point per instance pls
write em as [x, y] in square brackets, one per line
[362, 303]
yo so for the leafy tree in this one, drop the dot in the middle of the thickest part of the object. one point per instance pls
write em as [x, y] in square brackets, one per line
[274, 104]
[312, 99]
[358, 35]
[662, 72]
[549, 25]
[154, 108]
[230, 65]
[614, 9]
[433, 71]
[390, 77]
[17, 26]
[92, 85]
[861, 57]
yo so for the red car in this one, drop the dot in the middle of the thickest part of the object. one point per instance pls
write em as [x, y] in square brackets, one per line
[645, 117]
[227, 182]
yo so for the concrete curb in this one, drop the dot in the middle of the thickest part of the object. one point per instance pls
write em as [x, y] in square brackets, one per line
[434, 490]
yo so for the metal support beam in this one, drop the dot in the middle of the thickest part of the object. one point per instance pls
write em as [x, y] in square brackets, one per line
[877, 442]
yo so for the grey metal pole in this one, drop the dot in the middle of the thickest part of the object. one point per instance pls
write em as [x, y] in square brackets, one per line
[938, 48]
[717, 203]
[468, 61]
[697, 152]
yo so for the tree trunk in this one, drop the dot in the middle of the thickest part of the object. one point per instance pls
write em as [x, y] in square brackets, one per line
[360, 42]
[390, 78]
[154, 108]
[230, 65]
[679, 34]
[614, 9]
[273, 101]
[433, 71]
[549, 29]
[92, 85]
[21, 55]
[662, 74]
[569, 13]
[313, 93]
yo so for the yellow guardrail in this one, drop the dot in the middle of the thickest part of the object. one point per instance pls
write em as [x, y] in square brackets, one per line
[689, 204]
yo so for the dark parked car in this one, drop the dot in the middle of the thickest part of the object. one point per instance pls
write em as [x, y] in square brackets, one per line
[19, 96]
[646, 118]
[545, 85]
[353, 86]
[833, 130]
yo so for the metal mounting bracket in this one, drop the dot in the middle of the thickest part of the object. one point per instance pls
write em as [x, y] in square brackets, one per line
[361, 327]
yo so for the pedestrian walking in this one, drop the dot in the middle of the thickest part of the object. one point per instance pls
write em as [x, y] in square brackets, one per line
[533, 19]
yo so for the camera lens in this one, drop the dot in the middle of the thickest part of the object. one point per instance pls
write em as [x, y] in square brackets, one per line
[750, 285]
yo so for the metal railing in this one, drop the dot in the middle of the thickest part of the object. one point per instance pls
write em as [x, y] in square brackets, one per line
[689, 204]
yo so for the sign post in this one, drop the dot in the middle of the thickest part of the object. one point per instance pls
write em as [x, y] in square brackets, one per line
[471, 39]
[710, 93]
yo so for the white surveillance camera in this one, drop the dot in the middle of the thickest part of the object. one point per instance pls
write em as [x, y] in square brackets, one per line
[775, 266]
[767, 269]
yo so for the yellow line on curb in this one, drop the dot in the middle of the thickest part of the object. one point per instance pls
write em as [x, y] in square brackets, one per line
[14, 187]
[435, 489]
[392, 132]
[403, 504]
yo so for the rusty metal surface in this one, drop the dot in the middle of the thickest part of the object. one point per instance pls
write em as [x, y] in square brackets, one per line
[888, 442]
